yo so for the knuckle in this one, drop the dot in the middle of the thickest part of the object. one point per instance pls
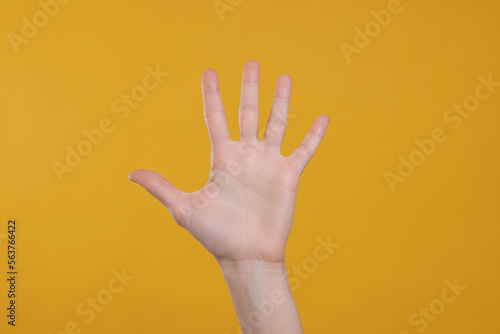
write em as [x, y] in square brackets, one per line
[306, 150]
[214, 113]
[277, 123]
[249, 107]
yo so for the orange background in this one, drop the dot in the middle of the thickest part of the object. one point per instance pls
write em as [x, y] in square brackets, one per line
[396, 247]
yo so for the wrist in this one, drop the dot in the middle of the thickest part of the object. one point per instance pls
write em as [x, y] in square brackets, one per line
[256, 281]
[254, 273]
[262, 296]
[252, 267]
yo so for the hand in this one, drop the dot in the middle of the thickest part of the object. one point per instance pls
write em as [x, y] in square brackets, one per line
[245, 210]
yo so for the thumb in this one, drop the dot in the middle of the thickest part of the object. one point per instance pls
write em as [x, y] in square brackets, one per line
[164, 191]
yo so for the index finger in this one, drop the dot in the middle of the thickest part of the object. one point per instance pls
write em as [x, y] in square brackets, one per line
[215, 117]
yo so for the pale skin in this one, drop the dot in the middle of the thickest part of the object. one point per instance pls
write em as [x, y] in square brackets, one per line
[243, 215]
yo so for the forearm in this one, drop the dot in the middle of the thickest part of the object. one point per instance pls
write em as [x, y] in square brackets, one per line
[262, 298]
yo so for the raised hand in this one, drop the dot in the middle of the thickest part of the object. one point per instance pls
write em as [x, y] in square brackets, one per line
[246, 208]
[243, 215]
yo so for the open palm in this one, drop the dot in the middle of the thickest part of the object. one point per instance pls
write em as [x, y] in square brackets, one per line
[245, 210]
